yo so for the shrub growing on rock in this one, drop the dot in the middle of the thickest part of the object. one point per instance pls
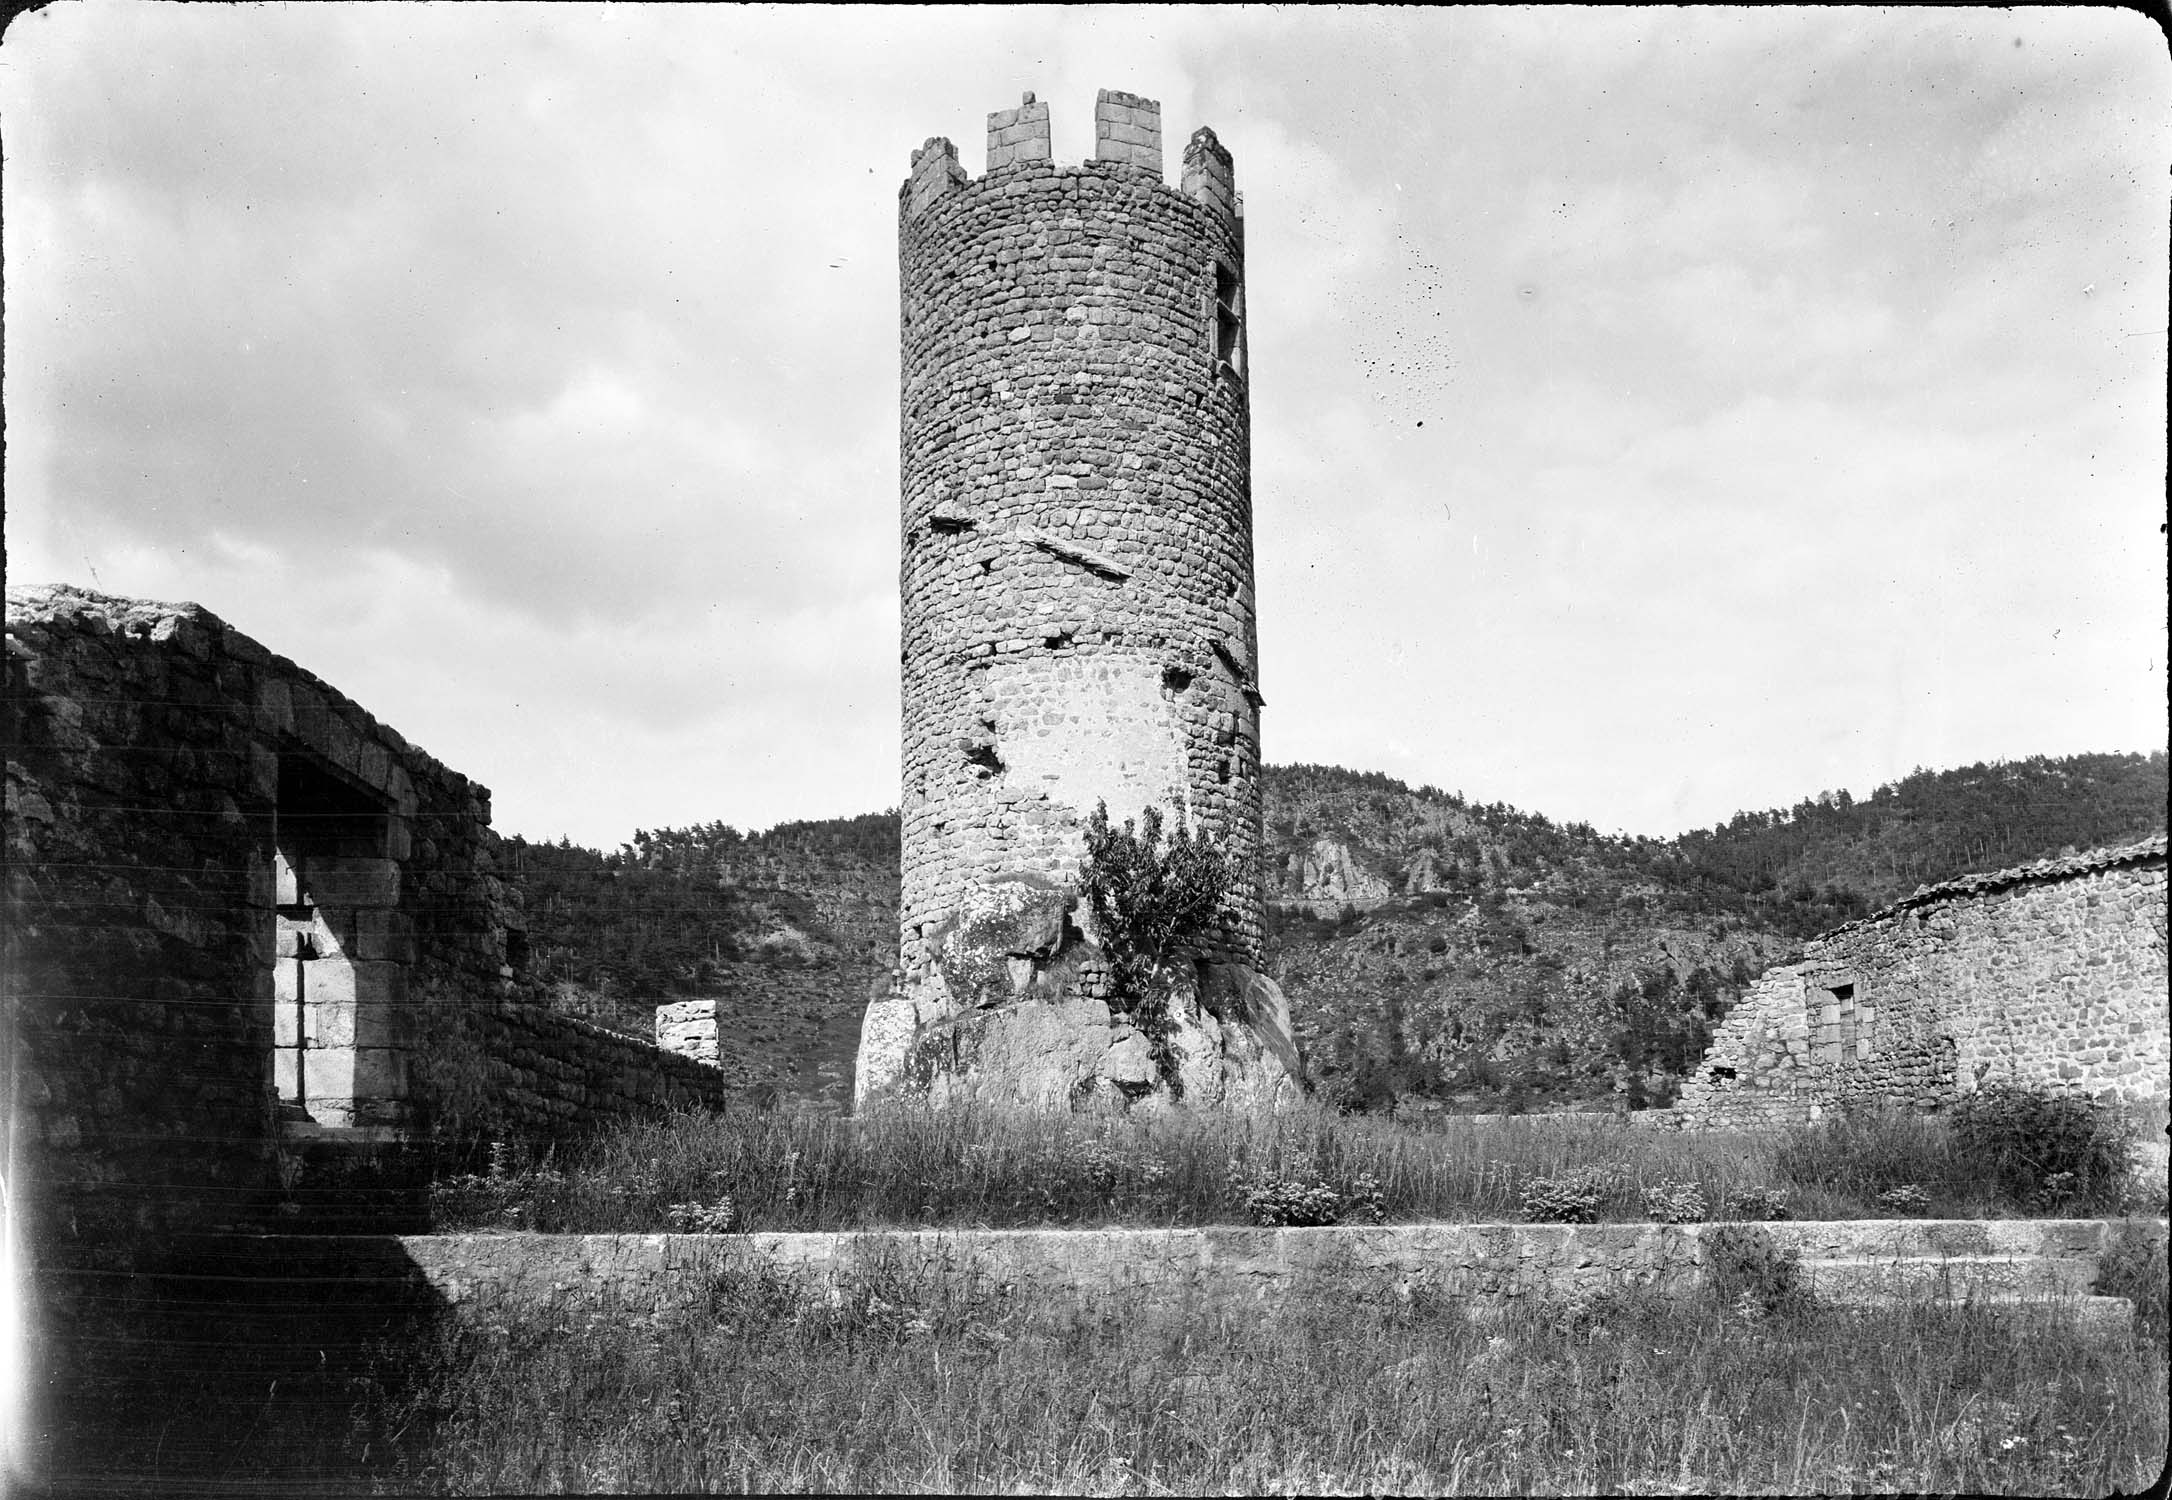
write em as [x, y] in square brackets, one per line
[1152, 903]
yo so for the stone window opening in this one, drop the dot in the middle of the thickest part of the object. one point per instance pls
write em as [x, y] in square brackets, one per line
[296, 950]
[341, 952]
[1229, 318]
[1839, 1028]
[1845, 995]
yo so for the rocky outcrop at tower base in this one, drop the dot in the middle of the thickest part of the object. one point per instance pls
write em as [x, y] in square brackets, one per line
[1013, 1005]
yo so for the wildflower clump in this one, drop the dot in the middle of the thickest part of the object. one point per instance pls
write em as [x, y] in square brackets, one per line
[1571, 1198]
[1675, 1203]
[505, 1196]
[1754, 1203]
[718, 1217]
[1908, 1198]
[1295, 1202]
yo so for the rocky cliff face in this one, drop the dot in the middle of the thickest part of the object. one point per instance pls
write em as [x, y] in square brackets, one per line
[1325, 876]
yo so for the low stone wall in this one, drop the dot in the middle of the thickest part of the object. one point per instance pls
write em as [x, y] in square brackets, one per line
[551, 1077]
[2051, 975]
[1485, 1265]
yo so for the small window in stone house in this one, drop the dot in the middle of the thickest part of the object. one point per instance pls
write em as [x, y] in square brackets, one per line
[1844, 996]
[1228, 318]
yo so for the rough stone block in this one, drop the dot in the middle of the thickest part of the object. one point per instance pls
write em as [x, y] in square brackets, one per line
[342, 982]
[274, 707]
[352, 883]
[1018, 135]
[382, 934]
[348, 1073]
[1127, 129]
[688, 1029]
[339, 1021]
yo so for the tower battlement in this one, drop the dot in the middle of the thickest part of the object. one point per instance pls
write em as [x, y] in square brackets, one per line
[1127, 135]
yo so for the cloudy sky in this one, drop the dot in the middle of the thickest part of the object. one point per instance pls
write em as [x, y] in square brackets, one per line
[1656, 413]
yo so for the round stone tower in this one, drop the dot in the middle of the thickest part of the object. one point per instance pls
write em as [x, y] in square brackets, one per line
[1076, 570]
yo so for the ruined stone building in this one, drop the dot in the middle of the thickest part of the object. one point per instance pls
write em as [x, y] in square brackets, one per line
[254, 940]
[2052, 975]
[1077, 594]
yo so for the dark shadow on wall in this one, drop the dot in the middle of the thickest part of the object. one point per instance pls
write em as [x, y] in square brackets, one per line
[232, 1365]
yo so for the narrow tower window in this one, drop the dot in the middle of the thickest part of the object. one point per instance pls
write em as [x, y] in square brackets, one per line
[1228, 318]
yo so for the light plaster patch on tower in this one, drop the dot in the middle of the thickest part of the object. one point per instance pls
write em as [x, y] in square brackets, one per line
[1091, 731]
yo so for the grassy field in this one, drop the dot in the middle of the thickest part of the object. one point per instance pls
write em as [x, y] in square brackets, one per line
[905, 1392]
[895, 1387]
[805, 1169]
[746, 1383]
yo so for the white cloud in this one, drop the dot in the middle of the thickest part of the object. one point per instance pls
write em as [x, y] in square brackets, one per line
[1790, 385]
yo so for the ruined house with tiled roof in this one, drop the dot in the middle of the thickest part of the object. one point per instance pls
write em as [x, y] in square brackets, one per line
[2047, 975]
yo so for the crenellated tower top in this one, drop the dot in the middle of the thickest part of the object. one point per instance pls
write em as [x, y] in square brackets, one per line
[1127, 133]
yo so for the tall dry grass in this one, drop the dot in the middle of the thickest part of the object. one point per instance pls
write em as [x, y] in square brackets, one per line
[900, 1388]
[903, 1165]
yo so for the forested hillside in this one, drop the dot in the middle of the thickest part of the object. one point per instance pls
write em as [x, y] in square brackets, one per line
[1440, 949]
[787, 930]
[1432, 948]
[1933, 825]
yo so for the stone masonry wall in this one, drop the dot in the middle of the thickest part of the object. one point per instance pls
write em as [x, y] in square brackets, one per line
[149, 750]
[553, 1077]
[1076, 548]
[2052, 975]
[245, 920]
